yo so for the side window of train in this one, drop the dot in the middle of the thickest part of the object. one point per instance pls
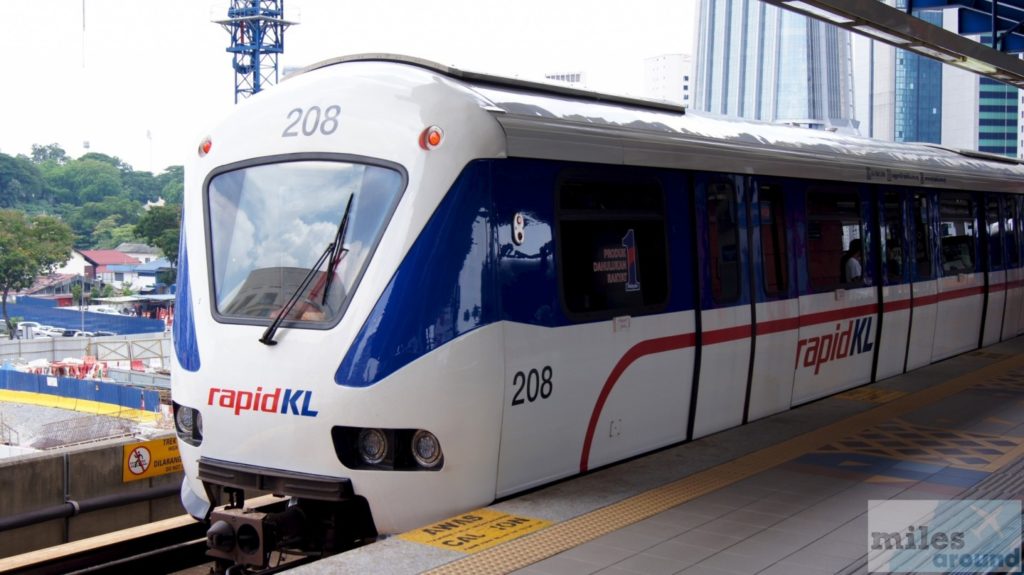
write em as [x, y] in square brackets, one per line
[994, 233]
[834, 237]
[724, 242]
[612, 248]
[893, 235]
[922, 221]
[956, 232]
[774, 256]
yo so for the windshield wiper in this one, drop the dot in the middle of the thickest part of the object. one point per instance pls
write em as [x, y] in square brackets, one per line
[333, 254]
[339, 250]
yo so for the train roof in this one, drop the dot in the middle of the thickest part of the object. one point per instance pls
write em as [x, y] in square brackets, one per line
[558, 122]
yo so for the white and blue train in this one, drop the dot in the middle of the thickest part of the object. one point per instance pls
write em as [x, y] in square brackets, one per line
[406, 290]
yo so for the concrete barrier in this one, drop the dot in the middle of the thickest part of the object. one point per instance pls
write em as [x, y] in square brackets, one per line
[41, 480]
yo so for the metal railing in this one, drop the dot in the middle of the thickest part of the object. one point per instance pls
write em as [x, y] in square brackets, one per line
[112, 349]
[80, 430]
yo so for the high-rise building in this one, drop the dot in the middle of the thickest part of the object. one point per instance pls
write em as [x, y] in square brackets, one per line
[669, 77]
[997, 118]
[757, 61]
[917, 99]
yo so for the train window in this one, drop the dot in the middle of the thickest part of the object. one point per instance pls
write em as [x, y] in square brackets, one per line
[957, 231]
[270, 224]
[921, 218]
[834, 232]
[892, 238]
[774, 255]
[994, 234]
[724, 238]
[613, 257]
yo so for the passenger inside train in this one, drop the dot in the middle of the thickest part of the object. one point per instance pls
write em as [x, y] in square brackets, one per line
[850, 263]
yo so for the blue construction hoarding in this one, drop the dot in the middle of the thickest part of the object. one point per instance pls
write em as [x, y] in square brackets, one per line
[92, 390]
[46, 312]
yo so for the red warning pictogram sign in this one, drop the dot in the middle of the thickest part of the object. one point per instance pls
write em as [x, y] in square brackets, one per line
[138, 460]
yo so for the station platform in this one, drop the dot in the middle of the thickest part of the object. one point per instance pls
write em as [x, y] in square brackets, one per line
[788, 494]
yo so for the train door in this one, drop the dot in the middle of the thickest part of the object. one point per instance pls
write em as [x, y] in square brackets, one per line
[838, 301]
[777, 308]
[896, 290]
[961, 284]
[725, 303]
[598, 322]
[925, 287]
[995, 269]
[1014, 275]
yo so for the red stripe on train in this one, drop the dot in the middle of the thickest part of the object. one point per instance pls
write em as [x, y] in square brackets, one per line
[723, 335]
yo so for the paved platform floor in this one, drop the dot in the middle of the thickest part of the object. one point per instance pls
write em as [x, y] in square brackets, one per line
[787, 494]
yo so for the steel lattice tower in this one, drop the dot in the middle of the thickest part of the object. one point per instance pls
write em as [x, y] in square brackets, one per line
[257, 37]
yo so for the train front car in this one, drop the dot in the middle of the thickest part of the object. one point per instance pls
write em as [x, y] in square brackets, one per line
[312, 213]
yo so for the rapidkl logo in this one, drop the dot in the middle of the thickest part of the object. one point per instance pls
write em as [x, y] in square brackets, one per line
[287, 399]
[837, 345]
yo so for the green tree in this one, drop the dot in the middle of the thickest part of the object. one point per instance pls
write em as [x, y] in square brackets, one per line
[29, 247]
[141, 186]
[122, 166]
[108, 234]
[160, 228]
[20, 182]
[172, 184]
[92, 180]
[49, 153]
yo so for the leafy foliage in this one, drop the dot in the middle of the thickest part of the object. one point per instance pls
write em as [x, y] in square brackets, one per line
[29, 247]
[100, 196]
[160, 228]
[49, 153]
[21, 184]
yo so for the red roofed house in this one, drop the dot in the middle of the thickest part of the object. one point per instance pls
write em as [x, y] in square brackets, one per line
[94, 263]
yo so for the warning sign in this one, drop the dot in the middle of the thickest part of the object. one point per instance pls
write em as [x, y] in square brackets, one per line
[151, 458]
[475, 531]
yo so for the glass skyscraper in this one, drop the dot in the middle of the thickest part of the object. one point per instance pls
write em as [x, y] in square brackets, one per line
[760, 62]
[918, 92]
[997, 115]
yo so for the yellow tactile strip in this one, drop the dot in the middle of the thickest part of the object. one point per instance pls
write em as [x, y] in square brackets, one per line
[1009, 384]
[899, 439]
[872, 395]
[568, 534]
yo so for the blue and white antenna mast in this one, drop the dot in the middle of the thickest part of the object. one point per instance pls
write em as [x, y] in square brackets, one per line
[257, 37]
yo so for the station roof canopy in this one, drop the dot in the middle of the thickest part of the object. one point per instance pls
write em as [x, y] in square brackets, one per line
[900, 28]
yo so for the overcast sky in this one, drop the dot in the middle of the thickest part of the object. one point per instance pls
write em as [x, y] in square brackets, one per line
[158, 67]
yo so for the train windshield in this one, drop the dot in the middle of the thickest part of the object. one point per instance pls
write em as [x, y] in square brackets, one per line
[269, 225]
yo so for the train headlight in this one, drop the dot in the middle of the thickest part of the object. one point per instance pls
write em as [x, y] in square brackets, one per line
[183, 420]
[373, 446]
[387, 449]
[426, 449]
[188, 423]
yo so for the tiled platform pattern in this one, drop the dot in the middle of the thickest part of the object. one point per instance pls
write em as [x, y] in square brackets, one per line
[809, 516]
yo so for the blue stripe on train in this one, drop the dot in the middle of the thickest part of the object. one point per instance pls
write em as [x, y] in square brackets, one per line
[443, 289]
[464, 272]
[186, 348]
